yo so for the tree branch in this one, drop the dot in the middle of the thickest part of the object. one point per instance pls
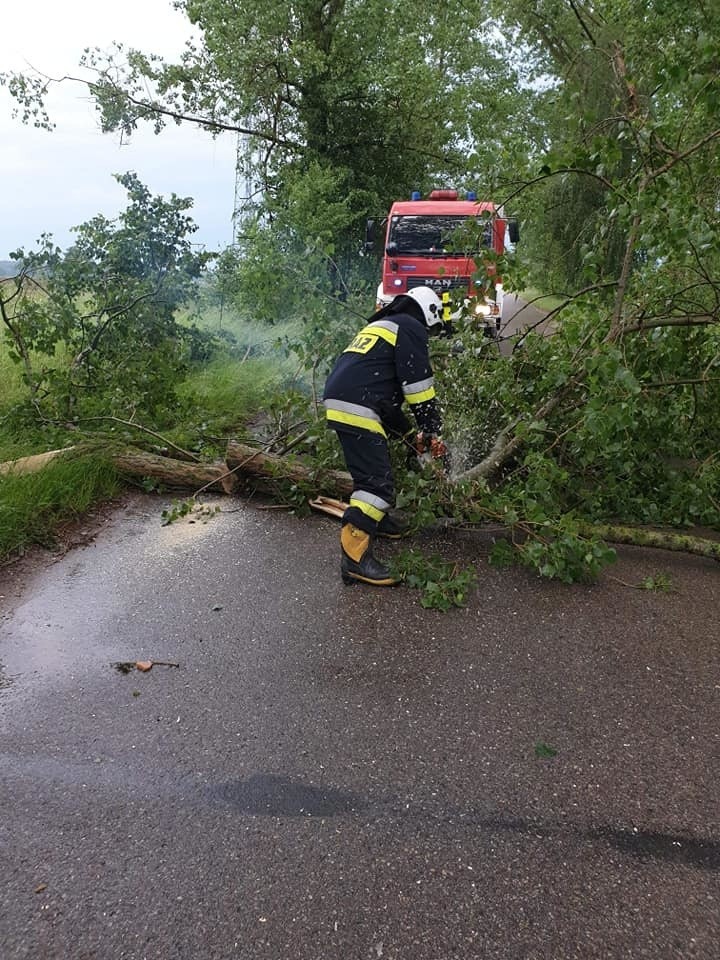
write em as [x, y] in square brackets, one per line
[677, 158]
[19, 342]
[152, 107]
[583, 25]
[608, 184]
[137, 426]
[691, 320]
[616, 321]
[640, 537]
[99, 333]
[679, 383]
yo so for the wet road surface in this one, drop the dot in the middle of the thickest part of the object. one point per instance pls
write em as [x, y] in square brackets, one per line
[336, 772]
[520, 316]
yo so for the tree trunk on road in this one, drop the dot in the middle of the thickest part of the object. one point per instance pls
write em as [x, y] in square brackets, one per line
[266, 466]
[140, 465]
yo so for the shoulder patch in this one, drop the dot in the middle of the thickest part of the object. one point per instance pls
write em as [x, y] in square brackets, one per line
[363, 343]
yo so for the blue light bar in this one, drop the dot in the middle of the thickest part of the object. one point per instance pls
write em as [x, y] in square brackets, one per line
[415, 195]
[471, 195]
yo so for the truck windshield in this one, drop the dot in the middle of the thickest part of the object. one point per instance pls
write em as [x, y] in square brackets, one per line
[436, 235]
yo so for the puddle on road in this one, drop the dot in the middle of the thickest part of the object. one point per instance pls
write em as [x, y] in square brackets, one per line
[70, 612]
[270, 795]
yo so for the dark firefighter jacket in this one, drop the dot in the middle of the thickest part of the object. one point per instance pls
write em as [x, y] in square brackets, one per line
[385, 364]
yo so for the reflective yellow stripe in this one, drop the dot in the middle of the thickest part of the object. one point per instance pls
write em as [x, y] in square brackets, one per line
[368, 337]
[378, 331]
[420, 397]
[368, 509]
[353, 420]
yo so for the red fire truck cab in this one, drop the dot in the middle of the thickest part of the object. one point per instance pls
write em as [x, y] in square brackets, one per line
[420, 249]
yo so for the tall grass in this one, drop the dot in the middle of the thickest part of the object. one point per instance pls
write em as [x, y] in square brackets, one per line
[245, 334]
[226, 393]
[221, 396]
[32, 506]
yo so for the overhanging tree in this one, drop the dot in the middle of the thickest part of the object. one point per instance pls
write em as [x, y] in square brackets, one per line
[343, 106]
[616, 416]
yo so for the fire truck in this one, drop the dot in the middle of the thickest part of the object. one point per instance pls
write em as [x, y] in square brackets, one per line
[425, 246]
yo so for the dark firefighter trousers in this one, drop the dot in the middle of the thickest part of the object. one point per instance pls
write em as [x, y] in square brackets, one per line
[368, 460]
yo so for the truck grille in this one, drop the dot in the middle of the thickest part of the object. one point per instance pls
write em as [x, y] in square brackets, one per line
[438, 283]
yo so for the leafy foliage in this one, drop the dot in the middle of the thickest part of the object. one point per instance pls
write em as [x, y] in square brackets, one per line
[94, 328]
[188, 508]
[543, 751]
[443, 584]
[658, 583]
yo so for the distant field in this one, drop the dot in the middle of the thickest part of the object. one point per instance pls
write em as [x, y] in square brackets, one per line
[11, 385]
[545, 302]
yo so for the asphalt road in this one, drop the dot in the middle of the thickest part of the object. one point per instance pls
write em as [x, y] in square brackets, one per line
[336, 772]
[520, 316]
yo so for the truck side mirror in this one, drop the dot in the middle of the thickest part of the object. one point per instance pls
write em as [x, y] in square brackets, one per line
[513, 230]
[391, 249]
[369, 236]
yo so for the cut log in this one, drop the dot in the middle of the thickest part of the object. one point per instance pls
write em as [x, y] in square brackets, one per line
[174, 473]
[334, 508]
[265, 467]
[31, 464]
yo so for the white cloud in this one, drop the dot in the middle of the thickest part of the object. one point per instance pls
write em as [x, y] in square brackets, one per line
[53, 181]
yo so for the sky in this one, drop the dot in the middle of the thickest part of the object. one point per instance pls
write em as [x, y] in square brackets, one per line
[52, 181]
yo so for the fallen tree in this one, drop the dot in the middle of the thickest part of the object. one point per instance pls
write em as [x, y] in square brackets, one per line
[138, 465]
[267, 470]
[275, 474]
[36, 461]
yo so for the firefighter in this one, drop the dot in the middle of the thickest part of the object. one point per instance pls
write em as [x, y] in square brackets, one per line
[387, 363]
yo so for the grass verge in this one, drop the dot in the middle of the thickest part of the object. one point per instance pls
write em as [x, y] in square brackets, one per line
[540, 300]
[33, 506]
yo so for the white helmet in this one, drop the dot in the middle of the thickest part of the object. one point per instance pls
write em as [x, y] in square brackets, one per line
[430, 304]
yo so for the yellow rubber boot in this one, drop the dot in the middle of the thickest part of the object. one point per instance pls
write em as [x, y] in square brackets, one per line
[358, 565]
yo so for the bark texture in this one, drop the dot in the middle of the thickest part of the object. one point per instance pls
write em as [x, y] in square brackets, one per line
[265, 467]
